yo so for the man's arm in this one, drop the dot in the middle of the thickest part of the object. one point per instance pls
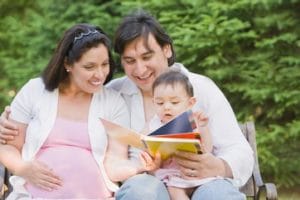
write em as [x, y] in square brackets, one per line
[34, 172]
[8, 129]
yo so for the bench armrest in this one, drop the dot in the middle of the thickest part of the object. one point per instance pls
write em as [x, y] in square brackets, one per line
[270, 191]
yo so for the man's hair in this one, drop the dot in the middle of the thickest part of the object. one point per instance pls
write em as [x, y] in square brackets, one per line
[74, 43]
[172, 78]
[141, 24]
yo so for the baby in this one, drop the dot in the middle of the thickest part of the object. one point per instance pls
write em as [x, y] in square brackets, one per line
[173, 95]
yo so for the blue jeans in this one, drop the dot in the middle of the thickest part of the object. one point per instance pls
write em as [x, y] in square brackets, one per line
[216, 190]
[142, 187]
[147, 187]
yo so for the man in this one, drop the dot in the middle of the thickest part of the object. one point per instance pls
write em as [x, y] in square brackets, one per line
[146, 51]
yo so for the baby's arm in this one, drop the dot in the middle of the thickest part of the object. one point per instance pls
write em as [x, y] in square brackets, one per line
[150, 164]
[202, 126]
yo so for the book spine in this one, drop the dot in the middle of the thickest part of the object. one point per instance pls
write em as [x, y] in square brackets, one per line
[199, 149]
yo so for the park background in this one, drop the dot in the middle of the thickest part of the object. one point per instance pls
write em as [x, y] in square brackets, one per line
[250, 48]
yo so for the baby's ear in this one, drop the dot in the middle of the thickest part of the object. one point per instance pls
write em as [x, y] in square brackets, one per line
[192, 102]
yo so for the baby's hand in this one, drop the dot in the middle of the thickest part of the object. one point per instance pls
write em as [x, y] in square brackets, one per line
[200, 118]
[149, 163]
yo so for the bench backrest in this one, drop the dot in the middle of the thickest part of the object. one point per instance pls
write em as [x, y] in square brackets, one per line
[251, 187]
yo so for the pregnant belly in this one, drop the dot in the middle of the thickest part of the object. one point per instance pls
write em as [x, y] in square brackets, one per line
[79, 172]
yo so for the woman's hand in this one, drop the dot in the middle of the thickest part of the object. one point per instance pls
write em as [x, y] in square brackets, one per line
[7, 128]
[39, 174]
[150, 164]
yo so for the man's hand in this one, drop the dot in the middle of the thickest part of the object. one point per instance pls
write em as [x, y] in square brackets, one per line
[198, 166]
[39, 174]
[7, 128]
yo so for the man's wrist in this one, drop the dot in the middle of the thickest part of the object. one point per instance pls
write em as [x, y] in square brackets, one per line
[227, 173]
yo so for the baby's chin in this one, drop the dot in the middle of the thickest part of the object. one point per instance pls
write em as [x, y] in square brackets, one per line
[166, 119]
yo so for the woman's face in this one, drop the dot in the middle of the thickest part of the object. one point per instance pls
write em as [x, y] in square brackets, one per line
[90, 72]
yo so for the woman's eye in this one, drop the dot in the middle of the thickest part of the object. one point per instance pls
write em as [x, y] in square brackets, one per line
[88, 67]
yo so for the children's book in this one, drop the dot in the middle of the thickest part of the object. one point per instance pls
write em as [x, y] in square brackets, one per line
[176, 135]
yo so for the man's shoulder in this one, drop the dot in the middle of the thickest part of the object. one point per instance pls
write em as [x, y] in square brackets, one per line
[117, 83]
[123, 85]
[194, 77]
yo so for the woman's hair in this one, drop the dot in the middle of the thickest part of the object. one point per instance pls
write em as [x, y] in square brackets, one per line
[74, 43]
[141, 24]
[172, 78]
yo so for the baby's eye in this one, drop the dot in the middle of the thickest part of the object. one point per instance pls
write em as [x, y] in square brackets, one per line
[175, 102]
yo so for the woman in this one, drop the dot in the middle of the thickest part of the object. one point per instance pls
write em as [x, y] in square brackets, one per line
[61, 138]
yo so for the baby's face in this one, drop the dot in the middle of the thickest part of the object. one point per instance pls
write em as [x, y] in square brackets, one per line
[170, 101]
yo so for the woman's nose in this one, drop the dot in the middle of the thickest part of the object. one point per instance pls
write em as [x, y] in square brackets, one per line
[99, 72]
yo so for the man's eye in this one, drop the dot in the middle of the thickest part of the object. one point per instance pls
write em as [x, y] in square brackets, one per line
[129, 61]
[147, 57]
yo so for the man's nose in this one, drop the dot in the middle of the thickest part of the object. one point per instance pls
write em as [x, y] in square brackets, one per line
[140, 68]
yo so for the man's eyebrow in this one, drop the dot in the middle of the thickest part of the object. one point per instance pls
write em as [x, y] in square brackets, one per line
[148, 52]
[127, 57]
[143, 54]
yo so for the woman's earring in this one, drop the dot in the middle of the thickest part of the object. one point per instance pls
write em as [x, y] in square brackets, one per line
[67, 70]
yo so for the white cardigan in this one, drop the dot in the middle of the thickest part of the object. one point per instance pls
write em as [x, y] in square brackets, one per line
[229, 142]
[37, 107]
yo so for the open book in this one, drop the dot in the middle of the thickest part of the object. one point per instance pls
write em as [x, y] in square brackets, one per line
[176, 135]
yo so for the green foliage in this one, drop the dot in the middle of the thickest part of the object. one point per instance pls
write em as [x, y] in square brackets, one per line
[250, 48]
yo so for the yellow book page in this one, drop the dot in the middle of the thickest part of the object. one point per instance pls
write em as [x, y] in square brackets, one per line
[168, 148]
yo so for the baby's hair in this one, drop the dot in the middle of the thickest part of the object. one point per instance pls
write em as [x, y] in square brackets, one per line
[173, 77]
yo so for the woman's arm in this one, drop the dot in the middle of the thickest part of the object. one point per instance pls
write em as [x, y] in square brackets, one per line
[117, 164]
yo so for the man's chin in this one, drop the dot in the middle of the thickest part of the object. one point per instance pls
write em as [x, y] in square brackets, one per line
[145, 87]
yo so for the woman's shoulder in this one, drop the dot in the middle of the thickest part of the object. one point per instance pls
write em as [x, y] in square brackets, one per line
[35, 84]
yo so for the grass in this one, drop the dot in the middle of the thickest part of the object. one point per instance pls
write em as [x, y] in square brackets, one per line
[288, 194]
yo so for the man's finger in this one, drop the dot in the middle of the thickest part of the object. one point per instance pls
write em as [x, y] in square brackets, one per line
[6, 112]
[7, 136]
[2, 141]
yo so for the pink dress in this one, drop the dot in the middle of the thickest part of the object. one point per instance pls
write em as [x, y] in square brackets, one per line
[67, 151]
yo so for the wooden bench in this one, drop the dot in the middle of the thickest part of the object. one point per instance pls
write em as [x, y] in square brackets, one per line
[255, 185]
[253, 188]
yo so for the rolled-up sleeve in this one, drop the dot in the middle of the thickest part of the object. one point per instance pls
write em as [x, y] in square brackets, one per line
[229, 142]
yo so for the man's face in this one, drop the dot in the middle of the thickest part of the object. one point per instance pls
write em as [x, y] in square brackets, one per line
[142, 65]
